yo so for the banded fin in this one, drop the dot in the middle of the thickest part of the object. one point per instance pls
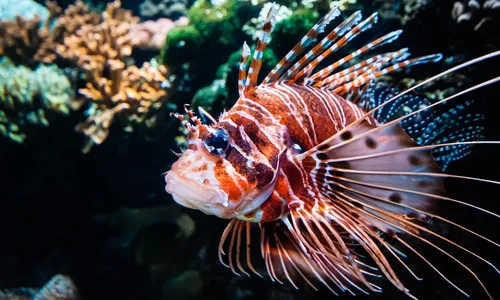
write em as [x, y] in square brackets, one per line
[380, 177]
[322, 46]
[205, 116]
[388, 38]
[432, 126]
[369, 65]
[300, 47]
[297, 256]
[364, 25]
[353, 77]
[371, 75]
[242, 73]
[264, 37]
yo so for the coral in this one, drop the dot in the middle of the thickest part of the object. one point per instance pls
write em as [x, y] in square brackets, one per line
[164, 8]
[26, 9]
[20, 39]
[93, 46]
[30, 97]
[480, 13]
[342, 4]
[59, 287]
[55, 89]
[98, 46]
[133, 94]
[27, 41]
[114, 90]
[152, 34]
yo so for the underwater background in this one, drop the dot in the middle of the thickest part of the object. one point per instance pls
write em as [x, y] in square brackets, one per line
[86, 89]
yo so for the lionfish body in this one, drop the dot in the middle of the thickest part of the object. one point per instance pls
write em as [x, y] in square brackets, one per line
[269, 127]
[302, 156]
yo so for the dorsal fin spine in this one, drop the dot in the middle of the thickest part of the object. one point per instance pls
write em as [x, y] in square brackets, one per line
[364, 65]
[324, 44]
[299, 48]
[264, 37]
[242, 74]
[404, 64]
[318, 76]
[361, 27]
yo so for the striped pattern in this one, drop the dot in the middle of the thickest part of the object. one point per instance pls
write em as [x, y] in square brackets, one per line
[377, 43]
[364, 25]
[298, 49]
[264, 37]
[301, 115]
[398, 66]
[242, 73]
[324, 44]
[373, 63]
[321, 177]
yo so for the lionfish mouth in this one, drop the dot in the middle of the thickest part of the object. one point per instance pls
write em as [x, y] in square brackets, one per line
[190, 194]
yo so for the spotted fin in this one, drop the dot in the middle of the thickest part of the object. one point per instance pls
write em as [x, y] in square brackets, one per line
[431, 126]
[377, 167]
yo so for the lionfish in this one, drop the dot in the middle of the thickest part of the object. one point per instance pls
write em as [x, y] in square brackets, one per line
[329, 168]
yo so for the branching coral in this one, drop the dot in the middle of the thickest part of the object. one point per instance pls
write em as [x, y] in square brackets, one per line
[28, 41]
[134, 95]
[30, 97]
[98, 46]
[114, 90]
[20, 39]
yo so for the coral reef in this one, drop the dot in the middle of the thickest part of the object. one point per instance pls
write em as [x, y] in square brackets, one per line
[28, 41]
[214, 29]
[21, 40]
[28, 9]
[59, 287]
[153, 9]
[113, 88]
[29, 97]
[99, 46]
[134, 94]
[152, 34]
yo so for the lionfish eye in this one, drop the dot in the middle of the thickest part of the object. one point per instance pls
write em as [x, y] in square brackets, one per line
[217, 142]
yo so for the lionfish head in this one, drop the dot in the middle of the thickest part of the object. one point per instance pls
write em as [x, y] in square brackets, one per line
[204, 178]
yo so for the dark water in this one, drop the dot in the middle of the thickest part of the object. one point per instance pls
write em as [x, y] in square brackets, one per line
[104, 219]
